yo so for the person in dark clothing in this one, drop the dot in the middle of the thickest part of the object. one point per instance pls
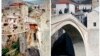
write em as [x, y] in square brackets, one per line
[60, 12]
[84, 9]
[63, 46]
[85, 21]
[65, 10]
[38, 7]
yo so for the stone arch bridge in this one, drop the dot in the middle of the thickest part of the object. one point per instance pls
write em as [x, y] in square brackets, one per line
[57, 22]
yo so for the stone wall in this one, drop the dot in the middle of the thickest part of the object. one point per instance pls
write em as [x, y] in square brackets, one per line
[95, 3]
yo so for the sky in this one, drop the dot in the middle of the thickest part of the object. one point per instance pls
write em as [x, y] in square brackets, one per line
[29, 0]
[7, 2]
[35, 1]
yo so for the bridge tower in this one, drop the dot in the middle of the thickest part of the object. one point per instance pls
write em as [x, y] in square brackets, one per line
[93, 32]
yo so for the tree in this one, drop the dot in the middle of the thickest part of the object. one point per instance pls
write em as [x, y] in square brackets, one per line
[4, 51]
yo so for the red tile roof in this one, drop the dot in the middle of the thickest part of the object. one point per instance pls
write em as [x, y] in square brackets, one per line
[32, 26]
[63, 2]
[17, 4]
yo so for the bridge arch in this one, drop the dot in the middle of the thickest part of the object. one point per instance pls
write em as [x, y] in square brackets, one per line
[74, 24]
[60, 25]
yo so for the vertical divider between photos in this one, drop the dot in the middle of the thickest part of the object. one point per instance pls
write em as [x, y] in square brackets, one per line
[0, 28]
[50, 24]
[99, 27]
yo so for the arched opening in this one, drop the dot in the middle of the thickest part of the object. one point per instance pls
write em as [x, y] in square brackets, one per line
[67, 41]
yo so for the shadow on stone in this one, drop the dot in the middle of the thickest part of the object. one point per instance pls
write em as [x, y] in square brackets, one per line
[63, 46]
[33, 51]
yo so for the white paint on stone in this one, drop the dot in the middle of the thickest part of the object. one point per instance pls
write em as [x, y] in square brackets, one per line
[85, 6]
[71, 8]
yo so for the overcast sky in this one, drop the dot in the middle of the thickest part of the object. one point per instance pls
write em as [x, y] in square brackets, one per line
[29, 0]
[35, 1]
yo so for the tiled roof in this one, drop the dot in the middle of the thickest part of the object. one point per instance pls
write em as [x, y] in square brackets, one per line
[63, 2]
[83, 2]
[71, 1]
[17, 4]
